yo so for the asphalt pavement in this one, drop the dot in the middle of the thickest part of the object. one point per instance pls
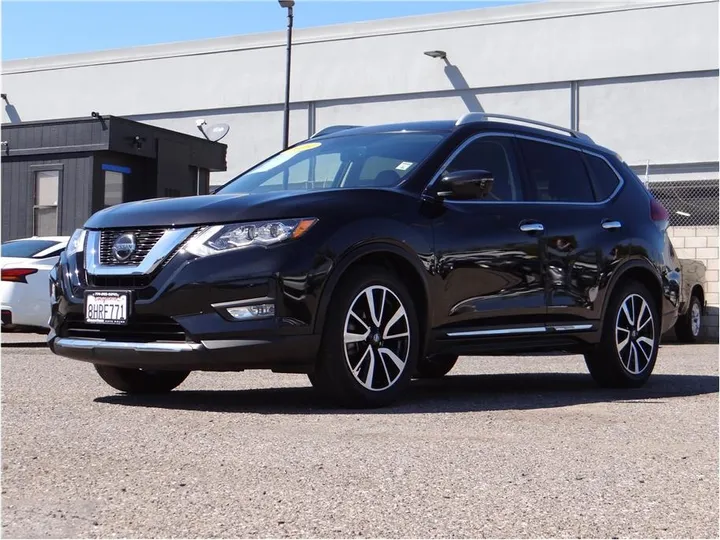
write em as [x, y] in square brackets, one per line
[502, 447]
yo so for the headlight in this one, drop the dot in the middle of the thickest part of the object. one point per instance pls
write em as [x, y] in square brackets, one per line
[76, 243]
[222, 238]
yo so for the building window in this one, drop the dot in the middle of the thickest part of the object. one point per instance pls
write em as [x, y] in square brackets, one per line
[45, 211]
[114, 182]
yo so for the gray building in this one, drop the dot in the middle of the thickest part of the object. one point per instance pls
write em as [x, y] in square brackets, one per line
[639, 76]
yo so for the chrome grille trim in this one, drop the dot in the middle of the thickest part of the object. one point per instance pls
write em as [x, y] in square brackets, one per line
[144, 238]
[166, 245]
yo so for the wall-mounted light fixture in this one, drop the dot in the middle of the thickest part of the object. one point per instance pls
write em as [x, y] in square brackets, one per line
[138, 141]
[436, 54]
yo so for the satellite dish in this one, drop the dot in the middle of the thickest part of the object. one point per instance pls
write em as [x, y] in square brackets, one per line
[216, 132]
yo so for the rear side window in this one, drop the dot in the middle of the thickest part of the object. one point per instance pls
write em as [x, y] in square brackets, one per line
[556, 173]
[604, 180]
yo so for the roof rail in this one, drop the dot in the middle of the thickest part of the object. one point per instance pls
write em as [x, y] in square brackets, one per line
[484, 117]
[330, 129]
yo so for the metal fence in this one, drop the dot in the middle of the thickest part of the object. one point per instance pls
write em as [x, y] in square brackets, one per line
[692, 203]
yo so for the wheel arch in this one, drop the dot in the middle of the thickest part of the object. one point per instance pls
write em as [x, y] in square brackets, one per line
[389, 256]
[699, 291]
[637, 270]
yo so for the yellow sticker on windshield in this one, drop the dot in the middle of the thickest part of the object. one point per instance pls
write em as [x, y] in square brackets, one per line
[299, 148]
[282, 157]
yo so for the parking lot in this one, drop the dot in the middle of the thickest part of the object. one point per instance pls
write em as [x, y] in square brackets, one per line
[503, 447]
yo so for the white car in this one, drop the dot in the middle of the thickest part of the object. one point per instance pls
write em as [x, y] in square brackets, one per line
[25, 290]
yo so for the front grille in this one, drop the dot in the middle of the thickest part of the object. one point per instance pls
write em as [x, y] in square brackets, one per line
[122, 282]
[145, 240]
[141, 328]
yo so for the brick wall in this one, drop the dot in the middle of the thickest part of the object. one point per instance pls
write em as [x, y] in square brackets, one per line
[701, 243]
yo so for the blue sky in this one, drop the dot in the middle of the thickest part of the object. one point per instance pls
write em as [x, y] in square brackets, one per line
[31, 28]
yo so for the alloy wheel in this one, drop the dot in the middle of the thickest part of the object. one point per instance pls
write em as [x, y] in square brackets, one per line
[635, 334]
[377, 338]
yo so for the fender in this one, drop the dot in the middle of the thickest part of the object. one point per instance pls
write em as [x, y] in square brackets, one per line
[618, 273]
[352, 255]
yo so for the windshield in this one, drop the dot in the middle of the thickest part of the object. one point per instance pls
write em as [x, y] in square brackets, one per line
[26, 248]
[350, 161]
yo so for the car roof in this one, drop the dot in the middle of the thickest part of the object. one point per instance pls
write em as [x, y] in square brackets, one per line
[451, 126]
[431, 125]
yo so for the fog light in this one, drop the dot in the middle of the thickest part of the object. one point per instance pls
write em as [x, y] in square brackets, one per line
[257, 311]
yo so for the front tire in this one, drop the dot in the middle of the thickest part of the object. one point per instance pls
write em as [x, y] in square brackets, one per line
[689, 326]
[626, 354]
[138, 381]
[370, 341]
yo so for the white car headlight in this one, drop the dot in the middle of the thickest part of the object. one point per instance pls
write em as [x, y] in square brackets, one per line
[76, 243]
[222, 238]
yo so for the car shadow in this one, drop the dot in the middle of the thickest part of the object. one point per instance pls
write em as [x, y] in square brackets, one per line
[451, 394]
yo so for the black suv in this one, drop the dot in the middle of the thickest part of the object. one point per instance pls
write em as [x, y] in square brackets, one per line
[365, 256]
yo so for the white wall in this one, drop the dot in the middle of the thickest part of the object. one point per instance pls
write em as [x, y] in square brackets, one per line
[549, 103]
[674, 119]
[493, 47]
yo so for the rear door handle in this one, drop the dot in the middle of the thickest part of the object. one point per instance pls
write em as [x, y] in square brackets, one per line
[532, 227]
[609, 225]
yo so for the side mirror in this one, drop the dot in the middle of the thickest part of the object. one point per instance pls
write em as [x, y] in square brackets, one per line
[468, 184]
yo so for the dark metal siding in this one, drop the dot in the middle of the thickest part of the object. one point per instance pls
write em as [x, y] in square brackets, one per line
[140, 184]
[17, 203]
[55, 137]
[18, 193]
[200, 152]
[174, 174]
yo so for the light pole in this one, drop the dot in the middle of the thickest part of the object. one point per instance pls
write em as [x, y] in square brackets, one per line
[286, 120]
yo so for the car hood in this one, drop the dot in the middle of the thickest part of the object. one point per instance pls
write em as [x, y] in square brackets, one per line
[220, 208]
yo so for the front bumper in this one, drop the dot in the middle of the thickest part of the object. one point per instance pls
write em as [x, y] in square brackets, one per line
[290, 354]
[178, 317]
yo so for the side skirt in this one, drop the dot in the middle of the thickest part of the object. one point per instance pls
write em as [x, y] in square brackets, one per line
[573, 337]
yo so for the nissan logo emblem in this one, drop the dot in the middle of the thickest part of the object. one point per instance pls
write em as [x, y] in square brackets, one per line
[124, 247]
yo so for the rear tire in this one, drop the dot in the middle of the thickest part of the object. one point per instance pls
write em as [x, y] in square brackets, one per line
[628, 348]
[689, 326]
[138, 381]
[368, 354]
[435, 367]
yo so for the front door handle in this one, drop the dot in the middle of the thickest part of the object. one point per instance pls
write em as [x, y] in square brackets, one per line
[609, 225]
[532, 227]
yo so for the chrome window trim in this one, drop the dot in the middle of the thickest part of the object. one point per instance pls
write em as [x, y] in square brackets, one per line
[436, 176]
[170, 239]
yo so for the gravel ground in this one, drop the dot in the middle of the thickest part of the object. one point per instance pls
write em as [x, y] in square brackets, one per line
[503, 447]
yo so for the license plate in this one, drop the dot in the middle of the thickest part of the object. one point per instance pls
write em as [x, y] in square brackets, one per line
[107, 307]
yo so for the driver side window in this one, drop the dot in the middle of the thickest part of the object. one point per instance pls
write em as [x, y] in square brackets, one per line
[493, 154]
